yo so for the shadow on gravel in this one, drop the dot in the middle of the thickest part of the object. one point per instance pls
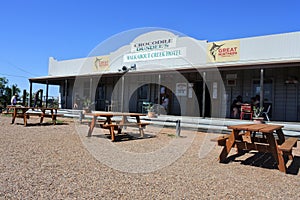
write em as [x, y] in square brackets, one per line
[125, 137]
[266, 160]
[43, 124]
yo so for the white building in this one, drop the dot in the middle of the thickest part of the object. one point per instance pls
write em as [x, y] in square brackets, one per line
[201, 78]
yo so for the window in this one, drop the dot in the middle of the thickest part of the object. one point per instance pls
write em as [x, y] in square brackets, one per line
[268, 89]
[143, 91]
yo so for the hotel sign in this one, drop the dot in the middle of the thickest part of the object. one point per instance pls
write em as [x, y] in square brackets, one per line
[223, 51]
[155, 55]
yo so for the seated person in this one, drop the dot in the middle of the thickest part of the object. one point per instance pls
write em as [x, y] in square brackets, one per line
[236, 107]
[13, 100]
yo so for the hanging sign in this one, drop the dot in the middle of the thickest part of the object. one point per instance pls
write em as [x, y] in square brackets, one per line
[181, 89]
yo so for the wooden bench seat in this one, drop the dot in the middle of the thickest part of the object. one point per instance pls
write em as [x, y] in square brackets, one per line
[287, 146]
[53, 116]
[12, 113]
[41, 115]
[118, 127]
[44, 115]
[50, 115]
[221, 140]
[7, 113]
[33, 114]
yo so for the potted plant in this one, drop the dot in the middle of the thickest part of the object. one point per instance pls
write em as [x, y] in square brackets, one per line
[151, 111]
[257, 112]
[87, 105]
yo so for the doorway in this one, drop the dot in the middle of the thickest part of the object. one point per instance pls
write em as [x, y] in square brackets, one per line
[100, 97]
[198, 88]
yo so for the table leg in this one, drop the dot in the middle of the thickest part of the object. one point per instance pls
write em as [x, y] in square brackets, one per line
[229, 144]
[25, 119]
[112, 133]
[42, 116]
[53, 117]
[280, 136]
[92, 125]
[141, 128]
[14, 115]
[138, 120]
[278, 155]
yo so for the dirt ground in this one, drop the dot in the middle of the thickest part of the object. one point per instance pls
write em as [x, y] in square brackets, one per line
[59, 162]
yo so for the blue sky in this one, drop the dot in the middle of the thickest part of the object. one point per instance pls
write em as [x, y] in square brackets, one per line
[32, 31]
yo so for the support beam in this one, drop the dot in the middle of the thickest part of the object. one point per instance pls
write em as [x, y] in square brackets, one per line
[91, 94]
[65, 93]
[122, 93]
[41, 98]
[47, 90]
[203, 94]
[158, 91]
[91, 88]
[24, 98]
[30, 94]
[261, 88]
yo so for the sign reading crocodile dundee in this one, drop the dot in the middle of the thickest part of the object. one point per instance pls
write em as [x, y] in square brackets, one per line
[153, 50]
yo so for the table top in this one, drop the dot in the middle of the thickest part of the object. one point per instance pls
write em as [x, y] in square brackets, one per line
[111, 114]
[264, 128]
[18, 107]
[26, 107]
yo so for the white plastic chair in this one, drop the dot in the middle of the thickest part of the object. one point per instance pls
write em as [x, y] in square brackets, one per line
[267, 112]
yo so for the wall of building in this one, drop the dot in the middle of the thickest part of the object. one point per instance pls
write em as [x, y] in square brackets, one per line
[254, 53]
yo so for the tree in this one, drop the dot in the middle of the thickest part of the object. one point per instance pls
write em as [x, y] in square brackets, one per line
[3, 82]
[3, 91]
[6, 92]
[15, 89]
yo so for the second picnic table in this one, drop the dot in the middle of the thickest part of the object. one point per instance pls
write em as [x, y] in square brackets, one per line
[244, 137]
[25, 113]
[108, 123]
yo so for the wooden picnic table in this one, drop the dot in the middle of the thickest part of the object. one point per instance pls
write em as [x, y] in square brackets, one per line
[16, 111]
[245, 137]
[26, 112]
[108, 123]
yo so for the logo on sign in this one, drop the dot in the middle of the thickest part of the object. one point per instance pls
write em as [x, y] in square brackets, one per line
[223, 51]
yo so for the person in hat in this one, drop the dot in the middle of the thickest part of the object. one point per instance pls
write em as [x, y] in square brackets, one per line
[13, 100]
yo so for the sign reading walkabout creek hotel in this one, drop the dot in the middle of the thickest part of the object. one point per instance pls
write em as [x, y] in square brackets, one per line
[223, 51]
[154, 50]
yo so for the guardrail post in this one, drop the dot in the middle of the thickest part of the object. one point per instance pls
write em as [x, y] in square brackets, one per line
[178, 128]
[80, 116]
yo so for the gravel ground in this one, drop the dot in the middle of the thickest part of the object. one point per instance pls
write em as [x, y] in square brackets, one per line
[59, 162]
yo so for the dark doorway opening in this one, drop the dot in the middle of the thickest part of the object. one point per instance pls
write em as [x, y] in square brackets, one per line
[198, 88]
